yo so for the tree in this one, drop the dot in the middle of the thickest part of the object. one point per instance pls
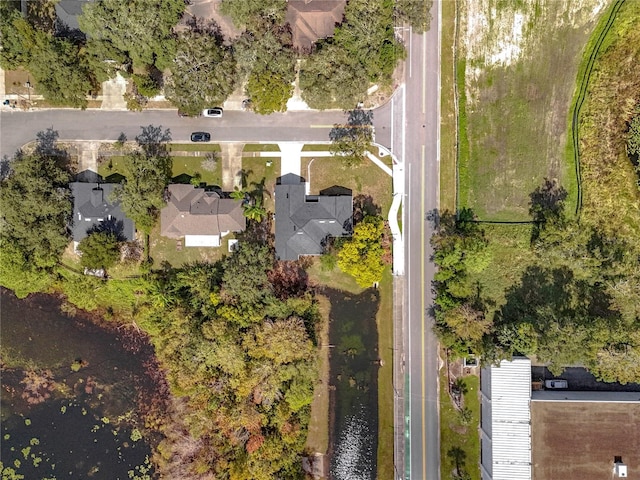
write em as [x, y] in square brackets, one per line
[202, 72]
[254, 211]
[13, 32]
[140, 29]
[361, 255]
[100, 250]
[352, 140]
[61, 71]
[246, 13]
[35, 209]
[330, 78]
[59, 66]
[269, 92]
[415, 13]
[147, 174]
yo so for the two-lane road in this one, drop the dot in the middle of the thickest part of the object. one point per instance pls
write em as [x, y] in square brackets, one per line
[18, 128]
[415, 141]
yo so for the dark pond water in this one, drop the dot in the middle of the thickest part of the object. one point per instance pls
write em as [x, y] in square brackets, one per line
[72, 394]
[354, 373]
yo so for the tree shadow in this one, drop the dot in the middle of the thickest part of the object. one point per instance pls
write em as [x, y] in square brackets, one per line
[459, 457]
[5, 167]
[244, 177]
[153, 140]
[546, 206]
[552, 313]
[205, 26]
[363, 205]
[259, 190]
[112, 226]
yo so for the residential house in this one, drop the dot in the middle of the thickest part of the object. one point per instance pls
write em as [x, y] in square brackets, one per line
[202, 217]
[312, 20]
[94, 209]
[304, 222]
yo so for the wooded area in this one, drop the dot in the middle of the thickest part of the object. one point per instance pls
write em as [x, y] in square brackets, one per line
[196, 67]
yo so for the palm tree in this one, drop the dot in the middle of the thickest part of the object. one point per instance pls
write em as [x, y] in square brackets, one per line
[255, 211]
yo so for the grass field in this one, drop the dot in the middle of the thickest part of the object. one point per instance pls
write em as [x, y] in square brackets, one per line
[447, 111]
[519, 77]
[261, 147]
[384, 319]
[456, 439]
[163, 249]
[187, 165]
[510, 256]
[194, 147]
[365, 179]
[611, 198]
[318, 436]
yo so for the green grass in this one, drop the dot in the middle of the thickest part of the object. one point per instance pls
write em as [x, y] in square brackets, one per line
[455, 435]
[261, 147]
[163, 249]
[181, 165]
[194, 147]
[384, 320]
[192, 165]
[510, 255]
[335, 278]
[258, 169]
[365, 179]
[515, 116]
[588, 52]
[316, 147]
[447, 112]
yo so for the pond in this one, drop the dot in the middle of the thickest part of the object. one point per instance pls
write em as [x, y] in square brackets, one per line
[77, 398]
[354, 364]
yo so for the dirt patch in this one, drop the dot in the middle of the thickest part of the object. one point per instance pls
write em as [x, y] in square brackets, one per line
[581, 439]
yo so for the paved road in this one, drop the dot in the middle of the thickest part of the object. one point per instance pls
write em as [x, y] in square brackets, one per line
[18, 128]
[416, 141]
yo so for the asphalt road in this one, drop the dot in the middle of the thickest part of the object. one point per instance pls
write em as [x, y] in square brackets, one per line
[417, 142]
[18, 128]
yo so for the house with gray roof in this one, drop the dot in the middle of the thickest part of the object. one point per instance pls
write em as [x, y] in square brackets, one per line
[304, 222]
[201, 216]
[94, 209]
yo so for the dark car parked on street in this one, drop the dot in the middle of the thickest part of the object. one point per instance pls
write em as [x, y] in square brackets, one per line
[200, 137]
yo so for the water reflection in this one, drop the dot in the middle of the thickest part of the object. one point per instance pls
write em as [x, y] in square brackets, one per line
[354, 373]
[71, 395]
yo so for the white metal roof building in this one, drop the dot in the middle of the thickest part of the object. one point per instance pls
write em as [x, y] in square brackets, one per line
[506, 420]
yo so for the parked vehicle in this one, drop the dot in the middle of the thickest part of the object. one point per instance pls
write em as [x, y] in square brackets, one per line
[556, 384]
[212, 112]
[200, 137]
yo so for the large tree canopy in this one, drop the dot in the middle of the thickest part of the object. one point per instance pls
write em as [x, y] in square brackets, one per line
[147, 174]
[100, 249]
[35, 208]
[248, 380]
[363, 50]
[361, 255]
[141, 29]
[248, 13]
[62, 70]
[202, 73]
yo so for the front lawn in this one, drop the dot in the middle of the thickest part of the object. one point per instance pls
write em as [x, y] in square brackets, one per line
[366, 179]
[261, 173]
[460, 440]
[210, 170]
